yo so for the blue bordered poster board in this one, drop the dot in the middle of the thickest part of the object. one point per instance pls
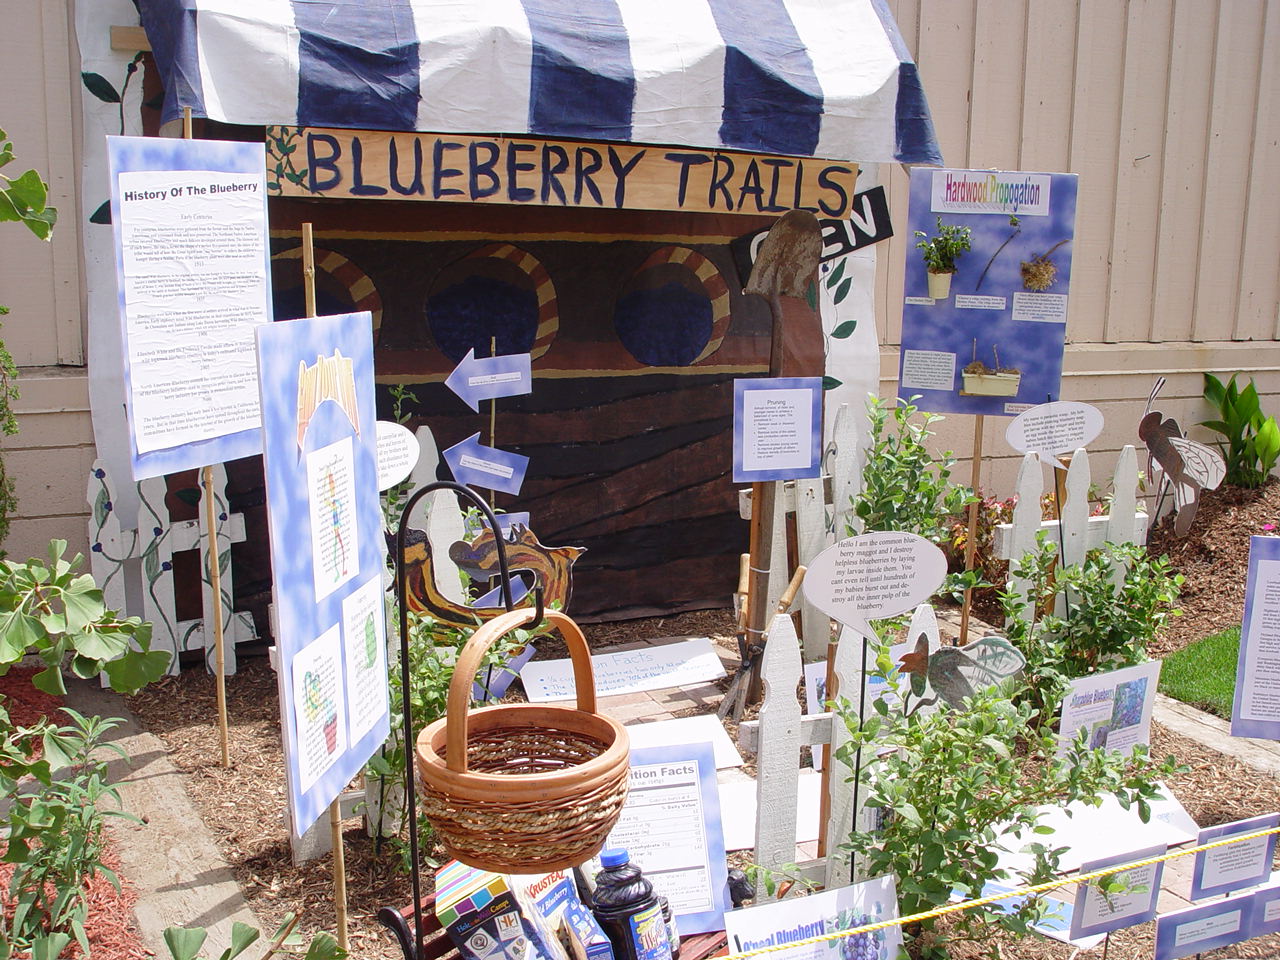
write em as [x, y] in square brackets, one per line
[777, 429]
[1195, 930]
[1095, 912]
[1017, 322]
[671, 827]
[1237, 865]
[1256, 710]
[327, 551]
[194, 283]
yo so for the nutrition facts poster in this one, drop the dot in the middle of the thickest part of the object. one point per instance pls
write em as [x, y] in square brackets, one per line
[671, 827]
[190, 221]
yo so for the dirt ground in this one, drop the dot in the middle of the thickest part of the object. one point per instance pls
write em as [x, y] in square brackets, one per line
[244, 806]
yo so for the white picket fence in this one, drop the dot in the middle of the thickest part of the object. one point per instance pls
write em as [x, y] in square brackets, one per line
[133, 564]
[782, 730]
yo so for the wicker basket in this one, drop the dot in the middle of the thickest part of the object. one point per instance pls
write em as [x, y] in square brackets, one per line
[537, 788]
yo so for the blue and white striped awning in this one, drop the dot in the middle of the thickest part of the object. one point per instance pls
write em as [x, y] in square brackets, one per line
[825, 78]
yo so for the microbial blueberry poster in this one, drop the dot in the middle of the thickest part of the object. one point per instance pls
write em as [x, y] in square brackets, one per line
[984, 316]
[327, 551]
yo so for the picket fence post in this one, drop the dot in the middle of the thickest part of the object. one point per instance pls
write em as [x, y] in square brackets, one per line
[1077, 532]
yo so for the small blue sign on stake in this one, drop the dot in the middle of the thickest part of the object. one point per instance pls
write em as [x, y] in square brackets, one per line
[488, 378]
[479, 466]
[777, 429]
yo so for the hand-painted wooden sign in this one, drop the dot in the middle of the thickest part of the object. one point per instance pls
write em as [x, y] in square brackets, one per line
[375, 164]
[551, 567]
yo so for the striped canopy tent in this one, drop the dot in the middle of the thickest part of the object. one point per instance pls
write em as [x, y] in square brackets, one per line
[822, 78]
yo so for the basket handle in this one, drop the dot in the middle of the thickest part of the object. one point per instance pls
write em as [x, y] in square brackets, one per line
[468, 665]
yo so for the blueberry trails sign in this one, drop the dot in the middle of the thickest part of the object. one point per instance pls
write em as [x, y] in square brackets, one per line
[375, 164]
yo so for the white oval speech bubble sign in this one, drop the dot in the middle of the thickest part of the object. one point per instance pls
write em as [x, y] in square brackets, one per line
[397, 453]
[873, 576]
[1049, 429]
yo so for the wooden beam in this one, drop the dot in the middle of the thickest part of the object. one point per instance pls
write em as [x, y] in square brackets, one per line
[129, 39]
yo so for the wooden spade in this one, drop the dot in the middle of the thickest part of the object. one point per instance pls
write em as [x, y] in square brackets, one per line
[784, 270]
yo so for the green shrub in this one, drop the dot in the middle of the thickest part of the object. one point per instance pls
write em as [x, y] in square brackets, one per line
[955, 784]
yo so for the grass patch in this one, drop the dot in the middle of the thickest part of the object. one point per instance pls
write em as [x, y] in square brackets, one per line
[1203, 673]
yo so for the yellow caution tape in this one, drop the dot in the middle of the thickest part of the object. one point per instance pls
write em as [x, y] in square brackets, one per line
[983, 901]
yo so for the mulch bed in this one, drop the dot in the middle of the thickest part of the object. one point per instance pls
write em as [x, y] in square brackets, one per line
[244, 806]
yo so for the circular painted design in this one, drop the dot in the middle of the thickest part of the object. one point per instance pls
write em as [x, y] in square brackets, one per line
[670, 324]
[521, 314]
[364, 295]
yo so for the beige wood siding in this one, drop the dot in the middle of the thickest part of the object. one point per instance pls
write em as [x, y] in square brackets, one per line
[40, 282]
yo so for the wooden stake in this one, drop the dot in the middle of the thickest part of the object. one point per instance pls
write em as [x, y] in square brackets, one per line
[971, 539]
[339, 870]
[493, 414]
[215, 584]
[832, 690]
[215, 571]
[335, 812]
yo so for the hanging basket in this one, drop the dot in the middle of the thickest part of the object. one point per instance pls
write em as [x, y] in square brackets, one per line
[536, 788]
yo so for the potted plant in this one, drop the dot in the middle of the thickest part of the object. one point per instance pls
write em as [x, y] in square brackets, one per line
[940, 252]
[983, 381]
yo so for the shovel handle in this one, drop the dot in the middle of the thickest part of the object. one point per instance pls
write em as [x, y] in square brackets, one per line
[789, 595]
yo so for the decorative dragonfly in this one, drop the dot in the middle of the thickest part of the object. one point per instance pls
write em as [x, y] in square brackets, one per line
[1188, 467]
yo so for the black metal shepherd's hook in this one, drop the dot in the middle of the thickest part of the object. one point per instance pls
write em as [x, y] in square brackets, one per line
[389, 916]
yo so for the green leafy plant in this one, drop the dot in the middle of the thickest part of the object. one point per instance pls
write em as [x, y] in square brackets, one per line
[54, 827]
[941, 251]
[1250, 442]
[1116, 602]
[904, 487]
[186, 943]
[956, 784]
[48, 610]
[25, 198]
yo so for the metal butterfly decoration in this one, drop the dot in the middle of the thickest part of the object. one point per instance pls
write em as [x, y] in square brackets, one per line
[1188, 467]
[954, 673]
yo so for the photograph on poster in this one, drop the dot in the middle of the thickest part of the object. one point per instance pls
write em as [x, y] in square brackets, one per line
[1000, 243]
[1113, 708]
[328, 554]
[1100, 911]
[190, 223]
[1256, 710]
[785, 921]
[1235, 866]
[777, 428]
[671, 827]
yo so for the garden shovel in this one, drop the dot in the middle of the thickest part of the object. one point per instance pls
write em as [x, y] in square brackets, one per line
[785, 270]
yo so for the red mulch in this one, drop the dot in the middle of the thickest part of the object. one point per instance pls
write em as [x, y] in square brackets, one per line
[26, 704]
[113, 934]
